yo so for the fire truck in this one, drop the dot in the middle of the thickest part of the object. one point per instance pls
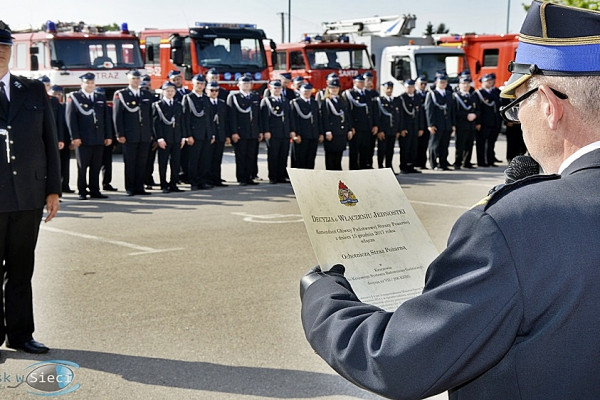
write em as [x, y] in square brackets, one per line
[64, 52]
[232, 49]
[317, 56]
[397, 56]
[485, 53]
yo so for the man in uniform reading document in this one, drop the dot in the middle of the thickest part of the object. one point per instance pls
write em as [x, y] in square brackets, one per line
[510, 309]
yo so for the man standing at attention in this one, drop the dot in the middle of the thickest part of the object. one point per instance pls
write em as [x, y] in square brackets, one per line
[29, 179]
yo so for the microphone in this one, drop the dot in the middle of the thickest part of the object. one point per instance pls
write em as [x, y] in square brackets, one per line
[521, 167]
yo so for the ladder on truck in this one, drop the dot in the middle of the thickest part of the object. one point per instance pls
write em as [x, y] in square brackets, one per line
[392, 25]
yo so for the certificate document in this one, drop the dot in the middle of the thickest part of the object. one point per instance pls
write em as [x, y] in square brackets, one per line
[363, 220]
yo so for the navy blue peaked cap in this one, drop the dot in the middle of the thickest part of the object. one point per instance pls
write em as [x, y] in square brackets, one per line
[555, 40]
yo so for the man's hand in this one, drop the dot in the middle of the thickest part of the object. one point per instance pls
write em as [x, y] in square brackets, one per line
[61, 145]
[107, 142]
[52, 205]
[235, 137]
[336, 273]
[432, 129]
[190, 140]
[76, 142]
[121, 139]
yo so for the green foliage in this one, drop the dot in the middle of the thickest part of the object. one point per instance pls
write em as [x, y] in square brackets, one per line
[590, 5]
[441, 28]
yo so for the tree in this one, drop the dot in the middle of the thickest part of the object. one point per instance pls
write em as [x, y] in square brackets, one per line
[429, 29]
[590, 5]
[441, 28]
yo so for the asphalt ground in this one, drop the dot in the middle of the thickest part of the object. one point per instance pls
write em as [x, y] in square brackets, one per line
[194, 295]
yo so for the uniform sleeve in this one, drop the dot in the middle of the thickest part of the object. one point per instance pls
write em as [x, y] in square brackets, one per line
[232, 115]
[429, 112]
[118, 116]
[71, 118]
[464, 322]
[53, 179]
[264, 116]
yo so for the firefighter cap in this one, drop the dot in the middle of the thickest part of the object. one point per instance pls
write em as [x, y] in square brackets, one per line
[359, 77]
[56, 89]
[44, 79]
[135, 73]
[307, 87]
[367, 74]
[5, 34]
[555, 40]
[212, 85]
[332, 75]
[212, 72]
[275, 84]
[391, 84]
[244, 78]
[198, 78]
[174, 72]
[298, 79]
[167, 85]
[286, 76]
[333, 83]
[88, 76]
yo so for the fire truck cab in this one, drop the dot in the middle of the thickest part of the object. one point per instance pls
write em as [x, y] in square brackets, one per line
[64, 52]
[485, 54]
[316, 57]
[232, 49]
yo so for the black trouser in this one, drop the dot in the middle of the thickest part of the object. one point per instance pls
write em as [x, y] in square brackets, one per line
[216, 160]
[135, 156]
[515, 146]
[149, 178]
[364, 147]
[65, 166]
[465, 136]
[305, 153]
[89, 158]
[422, 144]
[438, 148]
[245, 159]
[481, 146]
[185, 163]
[333, 160]
[385, 151]
[409, 145]
[18, 237]
[171, 156]
[491, 143]
[200, 158]
[107, 165]
[277, 155]
[352, 153]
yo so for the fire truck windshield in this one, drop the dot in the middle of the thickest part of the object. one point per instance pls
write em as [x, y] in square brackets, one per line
[245, 54]
[95, 53]
[332, 58]
[429, 64]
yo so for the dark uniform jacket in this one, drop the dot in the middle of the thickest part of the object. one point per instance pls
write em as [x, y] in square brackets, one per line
[489, 108]
[275, 117]
[305, 119]
[34, 169]
[439, 110]
[167, 122]
[244, 115]
[58, 113]
[87, 120]
[361, 109]
[180, 92]
[465, 104]
[132, 115]
[335, 118]
[411, 109]
[218, 119]
[509, 310]
[196, 117]
[387, 115]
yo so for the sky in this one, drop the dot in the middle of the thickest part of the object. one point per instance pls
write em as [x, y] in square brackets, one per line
[460, 16]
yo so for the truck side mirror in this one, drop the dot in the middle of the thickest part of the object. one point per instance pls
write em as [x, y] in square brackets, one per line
[373, 60]
[33, 51]
[477, 67]
[176, 43]
[272, 45]
[150, 52]
[188, 73]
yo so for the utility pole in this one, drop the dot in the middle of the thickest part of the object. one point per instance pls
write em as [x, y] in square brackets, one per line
[508, 18]
[289, 21]
[282, 26]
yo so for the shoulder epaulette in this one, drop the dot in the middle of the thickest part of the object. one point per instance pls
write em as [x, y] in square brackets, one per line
[500, 191]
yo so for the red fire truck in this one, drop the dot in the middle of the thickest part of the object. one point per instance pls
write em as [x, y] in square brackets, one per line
[485, 54]
[232, 49]
[64, 52]
[316, 57]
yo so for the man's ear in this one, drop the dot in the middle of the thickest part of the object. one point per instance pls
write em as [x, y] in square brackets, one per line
[553, 106]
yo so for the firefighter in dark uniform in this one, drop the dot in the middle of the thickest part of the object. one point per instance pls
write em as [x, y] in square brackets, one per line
[306, 128]
[132, 115]
[411, 109]
[212, 75]
[218, 121]
[175, 78]
[200, 135]
[467, 115]
[336, 123]
[423, 141]
[149, 179]
[275, 122]
[244, 127]
[64, 140]
[490, 120]
[439, 109]
[106, 168]
[169, 133]
[320, 93]
[361, 110]
[387, 118]
[88, 120]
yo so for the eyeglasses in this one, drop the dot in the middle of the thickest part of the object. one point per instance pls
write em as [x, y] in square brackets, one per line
[214, 90]
[510, 112]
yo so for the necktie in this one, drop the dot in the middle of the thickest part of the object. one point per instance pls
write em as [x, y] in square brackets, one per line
[4, 103]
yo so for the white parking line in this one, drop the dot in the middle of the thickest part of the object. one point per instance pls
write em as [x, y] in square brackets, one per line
[141, 249]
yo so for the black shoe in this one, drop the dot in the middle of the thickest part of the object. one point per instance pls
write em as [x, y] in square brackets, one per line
[176, 189]
[195, 187]
[129, 193]
[469, 166]
[206, 186]
[252, 183]
[456, 167]
[109, 188]
[221, 184]
[30, 346]
[492, 165]
[142, 192]
[496, 160]
[165, 190]
[98, 196]
[82, 197]
[68, 190]
[272, 181]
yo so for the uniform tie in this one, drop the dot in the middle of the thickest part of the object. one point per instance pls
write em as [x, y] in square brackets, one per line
[4, 103]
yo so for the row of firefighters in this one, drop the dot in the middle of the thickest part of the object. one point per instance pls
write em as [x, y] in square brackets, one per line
[188, 129]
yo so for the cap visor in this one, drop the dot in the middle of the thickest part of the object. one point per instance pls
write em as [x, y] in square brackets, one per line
[513, 83]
